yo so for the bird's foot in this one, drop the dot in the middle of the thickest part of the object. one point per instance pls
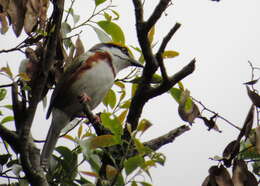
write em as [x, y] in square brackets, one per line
[83, 98]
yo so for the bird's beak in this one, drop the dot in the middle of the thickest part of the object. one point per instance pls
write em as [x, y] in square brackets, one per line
[135, 63]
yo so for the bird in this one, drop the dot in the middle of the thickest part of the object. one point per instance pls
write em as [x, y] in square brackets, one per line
[89, 78]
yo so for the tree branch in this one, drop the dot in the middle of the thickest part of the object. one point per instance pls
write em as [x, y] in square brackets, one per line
[11, 138]
[165, 86]
[157, 143]
[159, 9]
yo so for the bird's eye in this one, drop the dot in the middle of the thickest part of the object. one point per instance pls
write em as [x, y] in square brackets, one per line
[125, 51]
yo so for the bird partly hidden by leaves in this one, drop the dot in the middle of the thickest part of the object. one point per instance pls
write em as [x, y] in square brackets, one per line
[90, 78]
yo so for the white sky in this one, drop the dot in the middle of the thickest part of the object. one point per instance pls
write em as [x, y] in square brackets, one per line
[223, 37]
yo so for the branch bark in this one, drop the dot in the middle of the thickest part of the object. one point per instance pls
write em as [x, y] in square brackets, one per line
[158, 142]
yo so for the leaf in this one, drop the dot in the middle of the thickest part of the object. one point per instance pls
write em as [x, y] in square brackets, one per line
[10, 107]
[145, 183]
[69, 137]
[230, 151]
[248, 123]
[116, 14]
[7, 119]
[133, 183]
[144, 125]
[7, 71]
[102, 36]
[65, 152]
[176, 94]
[3, 20]
[92, 174]
[134, 88]
[111, 172]
[122, 116]
[251, 82]
[239, 172]
[257, 132]
[99, 2]
[126, 104]
[107, 17]
[210, 123]
[24, 76]
[170, 54]
[112, 124]
[16, 11]
[31, 15]
[113, 30]
[120, 84]
[255, 98]
[133, 163]
[80, 131]
[65, 29]
[79, 47]
[188, 110]
[151, 34]
[3, 93]
[75, 18]
[110, 99]
[142, 150]
[251, 180]
[103, 141]
[221, 175]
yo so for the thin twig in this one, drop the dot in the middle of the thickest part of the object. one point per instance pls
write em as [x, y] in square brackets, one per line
[213, 112]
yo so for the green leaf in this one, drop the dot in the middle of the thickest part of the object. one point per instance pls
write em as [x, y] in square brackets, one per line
[10, 107]
[24, 76]
[142, 150]
[170, 54]
[113, 30]
[145, 183]
[107, 17]
[65, 152]
[3, 93]
[151, 34]
[144, 125]
[99, 2]
[65, 29]
[134, 88]
[122, 116]
[110, 99]
[7, 119]
[176, 94]
[134, 183]
[120, 84]
[112, 124]
[102, 36]
[126, 104]
[116, 14]
[103, 141]
[133, 163]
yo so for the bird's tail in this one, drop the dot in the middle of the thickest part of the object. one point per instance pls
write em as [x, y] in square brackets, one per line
[59, 121]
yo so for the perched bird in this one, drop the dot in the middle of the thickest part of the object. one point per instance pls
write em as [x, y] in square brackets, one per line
[89, 78]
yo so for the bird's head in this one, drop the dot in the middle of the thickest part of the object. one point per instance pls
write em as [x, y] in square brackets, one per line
[120, 55]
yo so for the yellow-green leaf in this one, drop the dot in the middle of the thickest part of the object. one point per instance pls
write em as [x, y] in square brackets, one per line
[113, 30]
[7, 71]
[69, 137]
[133, 163]
[126, 104]
[110, 99]
[170, 54]
[7, 119]
[24, 76]
[80, 131]
[122, 116]
[120, 84]
[144, 125]
[103, 141]
[99, 2]
[151, 34]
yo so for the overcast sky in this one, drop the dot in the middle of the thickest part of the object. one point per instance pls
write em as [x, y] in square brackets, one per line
[223, 37]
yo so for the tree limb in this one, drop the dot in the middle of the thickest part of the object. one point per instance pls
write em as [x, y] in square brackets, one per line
[11, 138]
[158, 142]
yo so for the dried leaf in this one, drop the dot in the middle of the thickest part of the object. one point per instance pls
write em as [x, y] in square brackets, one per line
[16, 11]
[251, 82]
[144, 125]
[187, 109]
[221, 176]
[92, 174]
[248, 123]
[251, 180]
[239, 173]
[44, 4]
[4, 23]
[79, 48]
[31, 16]
[111, 172]
[210, 123]
[255, 98]
[209, 181]
[231, 150]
